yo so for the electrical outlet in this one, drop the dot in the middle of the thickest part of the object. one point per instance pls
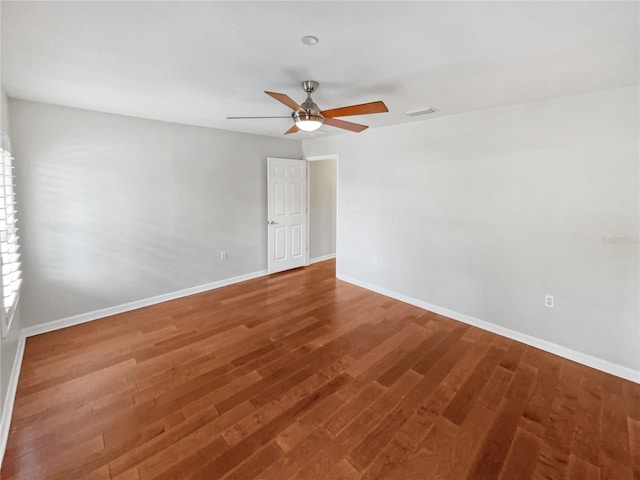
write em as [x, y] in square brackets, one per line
[223, 255]
[374, 259]
[398, 264]
[548, 301]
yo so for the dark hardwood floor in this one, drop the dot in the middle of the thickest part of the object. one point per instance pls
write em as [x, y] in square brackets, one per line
[301, 376]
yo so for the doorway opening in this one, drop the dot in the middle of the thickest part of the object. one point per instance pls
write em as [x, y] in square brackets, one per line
[322, 220]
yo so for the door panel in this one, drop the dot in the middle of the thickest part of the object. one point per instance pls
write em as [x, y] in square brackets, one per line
[280, 193]
[287, 213]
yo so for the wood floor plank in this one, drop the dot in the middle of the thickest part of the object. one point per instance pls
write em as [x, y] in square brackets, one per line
[536, 411]
[559, 425]
[493, 453]
[440, 349]
[634, 444]
[420, 423]
[522, 458]
[614, 430]
[381, 350]
[303, 453]
[282, 403]
[420, 465]
[495, 387]
[376, 441]
[457, 456]
[411, 358]
[393, 455]
[250, 444]
[131, 474]
[256, 464]
[611, 469]
[364, 454]
[512, 356]
[465, 398]
[581, 469]
[353, 407]
[189, 431]
[302, 376]
[586, 434]
[336, 449]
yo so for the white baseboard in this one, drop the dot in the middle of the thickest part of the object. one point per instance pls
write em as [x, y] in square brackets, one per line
[7, 410]
[584, 359]
[126, 307]
[322, 258]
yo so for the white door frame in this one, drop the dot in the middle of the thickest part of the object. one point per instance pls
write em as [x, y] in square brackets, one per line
[314, 158]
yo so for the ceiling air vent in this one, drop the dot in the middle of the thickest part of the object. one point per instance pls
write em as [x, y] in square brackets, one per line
[420, 111]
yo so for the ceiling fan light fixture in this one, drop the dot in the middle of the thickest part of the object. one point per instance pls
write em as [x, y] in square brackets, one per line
[309, 125]
[308, 121]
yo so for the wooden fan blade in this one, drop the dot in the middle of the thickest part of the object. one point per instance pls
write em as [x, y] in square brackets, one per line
[354, 127]
[362, 109]
[282, 98]
[245, 118]
[293, 129]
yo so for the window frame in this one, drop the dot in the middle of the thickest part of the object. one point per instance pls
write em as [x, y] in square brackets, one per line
[10, 265]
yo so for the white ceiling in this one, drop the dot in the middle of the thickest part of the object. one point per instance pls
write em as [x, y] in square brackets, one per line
[199, 62]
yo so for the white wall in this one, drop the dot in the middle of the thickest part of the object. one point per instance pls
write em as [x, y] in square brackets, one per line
[487, 212]
[116, 209]
[4, 112]
[322, 208]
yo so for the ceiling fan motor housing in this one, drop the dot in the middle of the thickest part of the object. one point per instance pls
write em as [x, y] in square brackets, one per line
[312, 111]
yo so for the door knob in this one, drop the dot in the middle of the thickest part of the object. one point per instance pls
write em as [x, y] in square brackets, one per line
[271, 222]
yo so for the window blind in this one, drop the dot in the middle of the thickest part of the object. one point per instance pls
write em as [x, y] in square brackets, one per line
[9, 240]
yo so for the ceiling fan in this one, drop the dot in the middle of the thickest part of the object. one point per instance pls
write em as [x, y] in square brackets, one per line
[308, 117]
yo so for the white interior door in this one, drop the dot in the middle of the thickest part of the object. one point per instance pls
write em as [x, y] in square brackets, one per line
[287, 213]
